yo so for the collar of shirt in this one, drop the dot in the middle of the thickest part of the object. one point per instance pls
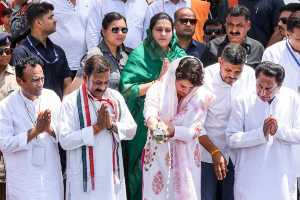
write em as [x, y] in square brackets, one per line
[28, 101]
[9, 69]
[37, 43]
[246, 44]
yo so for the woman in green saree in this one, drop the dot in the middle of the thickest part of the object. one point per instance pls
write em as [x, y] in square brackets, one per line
[145, 65]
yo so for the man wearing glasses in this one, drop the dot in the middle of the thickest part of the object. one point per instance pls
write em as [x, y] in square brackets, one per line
[7, 85]
[213, 28]
[237, 26]
[185, 24]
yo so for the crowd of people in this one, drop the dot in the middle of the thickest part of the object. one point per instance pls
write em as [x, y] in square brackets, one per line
[149, 99]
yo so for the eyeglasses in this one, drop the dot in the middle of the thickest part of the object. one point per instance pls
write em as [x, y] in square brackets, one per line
[216, 31]
[186, 20]
[283, 20]
[7, 51]
[118, 29]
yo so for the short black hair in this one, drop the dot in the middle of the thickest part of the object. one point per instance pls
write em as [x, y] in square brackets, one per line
[215, 22]
[238, 11]
[95, 64]
[234, 54]
[291, 7]
[31, 61]
[110, 17]
[37, 10]
[271, 69]
[6, 12]
[160, 16]
[293, 21]
[191, 69]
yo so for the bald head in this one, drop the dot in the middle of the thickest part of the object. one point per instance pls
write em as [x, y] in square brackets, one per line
[184, 11]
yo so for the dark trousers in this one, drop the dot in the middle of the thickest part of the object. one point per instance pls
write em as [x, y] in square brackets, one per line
[211, 188]
[2, 191]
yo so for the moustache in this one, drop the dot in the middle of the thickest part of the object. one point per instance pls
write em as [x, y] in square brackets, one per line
[235, 33]
[99, 90]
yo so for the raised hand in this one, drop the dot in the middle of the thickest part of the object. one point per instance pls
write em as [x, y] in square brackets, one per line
[164, 68]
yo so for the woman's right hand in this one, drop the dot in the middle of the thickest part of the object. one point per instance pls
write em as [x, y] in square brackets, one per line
[164, 68]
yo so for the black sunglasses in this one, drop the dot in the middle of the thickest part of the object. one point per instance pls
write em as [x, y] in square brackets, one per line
[216, 31]
[283, 20]
[7, 51]
[118, 29]
[186, 20]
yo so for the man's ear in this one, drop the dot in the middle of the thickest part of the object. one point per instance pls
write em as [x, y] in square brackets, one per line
[220, 60]
[19, 81]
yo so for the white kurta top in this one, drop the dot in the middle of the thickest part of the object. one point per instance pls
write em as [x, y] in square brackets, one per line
[132, 10]
[70, 29]
[218, 113]
[33, 169]
[264, 167]
[72, 138]
[164, 163]
[279, 53]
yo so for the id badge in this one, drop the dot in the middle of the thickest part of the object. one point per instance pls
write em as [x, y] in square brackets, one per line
[38, 155]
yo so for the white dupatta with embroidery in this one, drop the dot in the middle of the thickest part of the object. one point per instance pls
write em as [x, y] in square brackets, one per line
[172, 170]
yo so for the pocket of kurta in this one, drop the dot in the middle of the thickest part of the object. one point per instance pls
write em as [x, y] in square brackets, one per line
[38, 155]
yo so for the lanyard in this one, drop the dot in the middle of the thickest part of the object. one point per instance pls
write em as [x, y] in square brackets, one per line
[291, 52]
[40, 55]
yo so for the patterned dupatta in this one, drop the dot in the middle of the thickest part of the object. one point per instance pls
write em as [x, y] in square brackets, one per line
[83, 99]
[180, 170]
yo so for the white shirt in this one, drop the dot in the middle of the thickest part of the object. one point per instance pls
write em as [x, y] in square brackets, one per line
[218, 113]
[279, 53]
[132, 10]
[166, 6]
[33, 169]
[264, 167]
[70, 29]
[72, 138]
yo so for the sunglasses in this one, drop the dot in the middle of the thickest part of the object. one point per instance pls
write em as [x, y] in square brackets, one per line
[283, 20]
[211, 31]
[7, 51]
[186, 20]
[118, 29]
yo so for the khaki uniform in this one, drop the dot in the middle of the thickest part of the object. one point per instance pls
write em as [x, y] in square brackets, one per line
[7, 85]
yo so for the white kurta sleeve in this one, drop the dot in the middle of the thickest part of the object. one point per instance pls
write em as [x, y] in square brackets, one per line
[126, 125]
[236, 135]
[151, 105]
[55, 111]
[267, 56]
[70, 135]
[287, 133]
[94, 24]
[194, 116]
[149, 14]
[10, 141]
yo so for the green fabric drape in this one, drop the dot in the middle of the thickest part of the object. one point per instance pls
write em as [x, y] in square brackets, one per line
[143, 66]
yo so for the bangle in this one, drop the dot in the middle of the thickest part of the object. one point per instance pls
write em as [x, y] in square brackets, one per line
[214, 152]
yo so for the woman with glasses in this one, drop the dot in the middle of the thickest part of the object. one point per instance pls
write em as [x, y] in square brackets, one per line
[145, 65]
[111, 47]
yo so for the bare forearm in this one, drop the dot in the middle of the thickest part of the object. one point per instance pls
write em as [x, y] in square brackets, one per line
[207, 143]
[32, 133]
[143, 88]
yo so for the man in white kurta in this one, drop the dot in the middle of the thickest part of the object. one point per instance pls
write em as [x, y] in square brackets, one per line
[32, 164]
[286, 53]
[227, 79]
[262, 128]
[107, 179]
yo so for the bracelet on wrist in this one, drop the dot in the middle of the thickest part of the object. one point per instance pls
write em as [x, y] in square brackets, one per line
[214, 152]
